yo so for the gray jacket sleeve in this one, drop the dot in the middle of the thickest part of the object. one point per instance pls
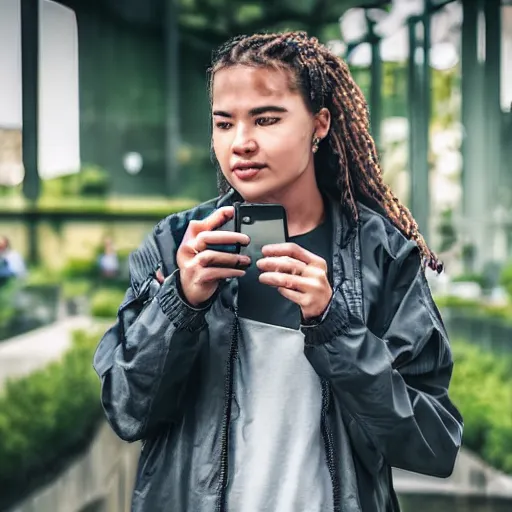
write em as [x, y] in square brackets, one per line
[392, 387]
[145, 359]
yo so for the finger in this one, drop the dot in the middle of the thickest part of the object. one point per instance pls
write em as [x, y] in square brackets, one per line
[211, 258]
[317, 273]
[205, 238]
[212, 274]
[213, 221]
[217, 218]
[296, 252]
[279, 280]
[293, 295]
[159, 276]
[282, 264]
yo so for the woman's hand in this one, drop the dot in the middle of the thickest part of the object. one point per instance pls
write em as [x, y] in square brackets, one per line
[202, 269]
[298, 275]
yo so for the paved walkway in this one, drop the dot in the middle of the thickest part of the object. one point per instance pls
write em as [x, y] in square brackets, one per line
[28, 352]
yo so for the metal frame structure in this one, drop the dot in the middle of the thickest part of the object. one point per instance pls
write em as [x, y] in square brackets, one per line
[481, 112]
[30, 111]
[483, 170]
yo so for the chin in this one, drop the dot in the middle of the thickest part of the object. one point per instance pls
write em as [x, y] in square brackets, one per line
[255, 193]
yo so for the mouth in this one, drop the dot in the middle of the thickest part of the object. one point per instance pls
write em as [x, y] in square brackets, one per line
[248, 170]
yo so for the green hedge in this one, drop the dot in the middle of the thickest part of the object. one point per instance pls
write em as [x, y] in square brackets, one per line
[7, 308]
[153, 208]
[47, 417]
[476, 308]
[482, 389]
[105, 302]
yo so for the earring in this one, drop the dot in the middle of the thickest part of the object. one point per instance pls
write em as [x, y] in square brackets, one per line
[316, 142]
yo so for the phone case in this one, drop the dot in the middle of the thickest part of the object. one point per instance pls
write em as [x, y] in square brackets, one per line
[264, 224]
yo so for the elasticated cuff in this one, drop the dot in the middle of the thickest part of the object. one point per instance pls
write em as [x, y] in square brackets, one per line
[334, 322]
[181, 314]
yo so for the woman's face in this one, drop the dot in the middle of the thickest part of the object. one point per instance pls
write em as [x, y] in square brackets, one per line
[263, 132]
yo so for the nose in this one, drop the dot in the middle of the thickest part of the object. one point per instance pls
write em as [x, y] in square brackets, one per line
[243, 143]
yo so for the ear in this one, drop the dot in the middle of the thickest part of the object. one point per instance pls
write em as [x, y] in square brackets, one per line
[322, 123]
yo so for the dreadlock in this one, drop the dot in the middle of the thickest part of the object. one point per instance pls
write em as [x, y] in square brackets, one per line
[347, 159]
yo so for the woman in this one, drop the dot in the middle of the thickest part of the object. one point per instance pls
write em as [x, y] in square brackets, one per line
[239, 414]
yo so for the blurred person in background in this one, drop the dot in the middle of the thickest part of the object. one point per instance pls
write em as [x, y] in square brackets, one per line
[108, 262]
[12, 264]
[241, 414]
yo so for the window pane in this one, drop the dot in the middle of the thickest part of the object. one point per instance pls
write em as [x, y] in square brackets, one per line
[506, 59]
[59, 131]
[11, 167]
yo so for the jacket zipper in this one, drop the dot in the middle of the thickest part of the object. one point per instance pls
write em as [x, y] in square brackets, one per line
[329, 446]
[233, 352]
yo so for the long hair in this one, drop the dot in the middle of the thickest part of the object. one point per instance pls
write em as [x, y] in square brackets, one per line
[346, 163]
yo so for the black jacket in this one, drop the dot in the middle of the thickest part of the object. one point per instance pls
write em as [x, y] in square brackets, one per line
[381, 352]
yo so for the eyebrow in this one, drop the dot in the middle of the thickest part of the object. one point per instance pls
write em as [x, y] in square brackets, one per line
[254, 111]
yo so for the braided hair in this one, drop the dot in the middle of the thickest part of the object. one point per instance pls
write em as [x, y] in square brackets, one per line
[346, 162]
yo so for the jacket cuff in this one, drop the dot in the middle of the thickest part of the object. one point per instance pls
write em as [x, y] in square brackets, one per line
[334, 322]
[180, 313]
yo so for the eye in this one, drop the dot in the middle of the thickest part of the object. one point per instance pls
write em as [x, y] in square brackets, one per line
[223, 125]
[267, 121]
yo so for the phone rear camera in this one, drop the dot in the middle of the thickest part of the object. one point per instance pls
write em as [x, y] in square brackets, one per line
[246, 220]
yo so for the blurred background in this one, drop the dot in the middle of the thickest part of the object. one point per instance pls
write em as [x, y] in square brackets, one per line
[104, 130]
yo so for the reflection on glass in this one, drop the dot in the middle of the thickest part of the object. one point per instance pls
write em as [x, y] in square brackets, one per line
[59, 132]
[506, 59]
[11, 166]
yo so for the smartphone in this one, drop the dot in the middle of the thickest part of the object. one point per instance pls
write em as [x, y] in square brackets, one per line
[264, 224]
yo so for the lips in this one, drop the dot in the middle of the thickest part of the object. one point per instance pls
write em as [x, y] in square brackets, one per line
[247, 170]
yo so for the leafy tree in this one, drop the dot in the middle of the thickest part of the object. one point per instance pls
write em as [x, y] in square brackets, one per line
[211, 22]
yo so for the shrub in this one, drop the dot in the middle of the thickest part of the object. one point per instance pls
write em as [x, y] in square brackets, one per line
[7, 307]
[72, 289]
[94, 181]
[476, 308]
[506, 278]
[470, 278]
[452, 301]
[80, 268]
[482, 389]
[105, 302]
[46, 417]
[42, 276]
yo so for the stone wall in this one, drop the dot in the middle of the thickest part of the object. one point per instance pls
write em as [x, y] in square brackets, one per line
[100, 480]
[453, 503]
[474, 486]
